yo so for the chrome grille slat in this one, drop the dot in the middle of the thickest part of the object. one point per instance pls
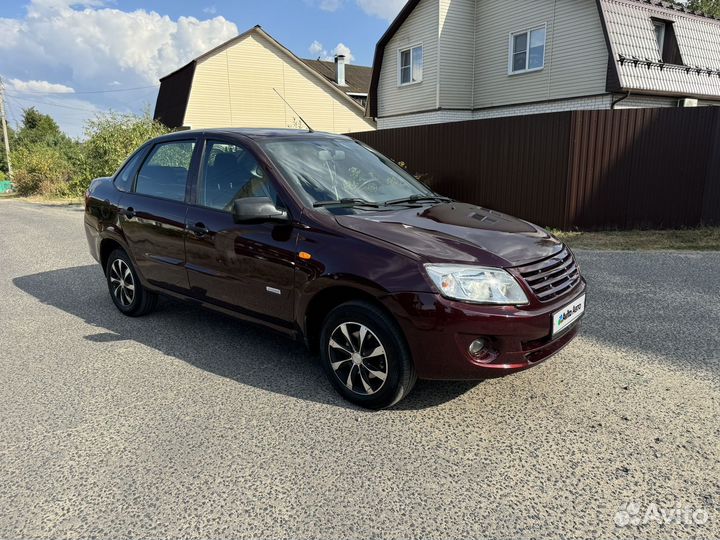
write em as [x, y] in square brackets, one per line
[545, 264]
[556, 291]
[569, 264]
[565, 275]
[552, 277]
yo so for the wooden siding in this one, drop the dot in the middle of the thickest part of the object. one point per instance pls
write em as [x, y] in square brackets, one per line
[234, 88]
[457, 43]
[586, 169]
[420, 27]
[576, 55]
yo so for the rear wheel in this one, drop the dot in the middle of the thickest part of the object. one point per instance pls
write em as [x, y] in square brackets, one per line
[126, 291]
[365, 356]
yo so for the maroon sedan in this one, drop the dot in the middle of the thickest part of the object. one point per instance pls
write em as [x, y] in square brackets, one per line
[325, 240]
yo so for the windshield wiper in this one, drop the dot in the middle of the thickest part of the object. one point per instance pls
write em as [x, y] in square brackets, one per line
[418, 198]
[345, 203]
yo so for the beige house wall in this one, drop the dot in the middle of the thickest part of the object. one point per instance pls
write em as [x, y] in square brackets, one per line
[234, 87]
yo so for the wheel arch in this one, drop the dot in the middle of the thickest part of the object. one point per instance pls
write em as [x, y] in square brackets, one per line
[107, 246]
[324, 301]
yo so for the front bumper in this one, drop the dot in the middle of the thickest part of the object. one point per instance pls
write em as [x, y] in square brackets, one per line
[439, 332]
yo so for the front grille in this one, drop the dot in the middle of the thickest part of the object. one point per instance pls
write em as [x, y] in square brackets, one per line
[552, 277]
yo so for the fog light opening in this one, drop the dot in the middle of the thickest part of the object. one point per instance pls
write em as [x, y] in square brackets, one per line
[479, 350]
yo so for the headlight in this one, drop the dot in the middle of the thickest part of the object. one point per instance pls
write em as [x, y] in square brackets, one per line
[476, 284]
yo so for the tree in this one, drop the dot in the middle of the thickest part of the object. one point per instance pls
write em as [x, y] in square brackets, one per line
[39, 128]
[48, 162]
[111, 138]
[709, 7]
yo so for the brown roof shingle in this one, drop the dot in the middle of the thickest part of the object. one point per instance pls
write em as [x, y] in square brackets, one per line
[357, 77]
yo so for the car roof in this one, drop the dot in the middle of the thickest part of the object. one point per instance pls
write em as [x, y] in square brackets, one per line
[254, 133]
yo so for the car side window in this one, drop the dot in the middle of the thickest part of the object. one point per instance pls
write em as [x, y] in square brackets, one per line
[231, 172]
[164, 173]
[124, 179]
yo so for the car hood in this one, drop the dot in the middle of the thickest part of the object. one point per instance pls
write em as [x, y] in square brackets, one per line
[457, 233]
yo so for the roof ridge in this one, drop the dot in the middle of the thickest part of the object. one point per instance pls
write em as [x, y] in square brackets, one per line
[675, 7]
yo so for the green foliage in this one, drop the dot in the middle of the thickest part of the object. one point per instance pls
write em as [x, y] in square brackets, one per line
[47, 162]
[709, 7]
[38, 128]
[112, 138]
[41, 170]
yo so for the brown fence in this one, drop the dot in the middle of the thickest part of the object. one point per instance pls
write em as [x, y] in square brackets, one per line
[585, 169]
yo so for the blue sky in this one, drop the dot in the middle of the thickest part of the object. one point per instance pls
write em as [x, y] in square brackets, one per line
[75, 59]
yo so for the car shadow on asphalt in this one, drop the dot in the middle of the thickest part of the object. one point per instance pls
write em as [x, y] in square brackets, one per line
[216, 343]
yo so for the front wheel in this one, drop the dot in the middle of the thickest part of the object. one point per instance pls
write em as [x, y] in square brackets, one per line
[126, 291]
[365, 356]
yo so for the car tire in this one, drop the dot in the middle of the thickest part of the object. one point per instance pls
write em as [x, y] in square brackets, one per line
[364, 354]
[126, 291]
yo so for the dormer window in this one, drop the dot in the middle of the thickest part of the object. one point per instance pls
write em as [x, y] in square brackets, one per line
[660, 27]
[668, 49]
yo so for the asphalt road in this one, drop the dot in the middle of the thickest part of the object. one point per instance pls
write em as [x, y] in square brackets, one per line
[186, 424]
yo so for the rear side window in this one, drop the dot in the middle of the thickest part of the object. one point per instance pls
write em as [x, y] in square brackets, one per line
[164, 174]
[124, 179]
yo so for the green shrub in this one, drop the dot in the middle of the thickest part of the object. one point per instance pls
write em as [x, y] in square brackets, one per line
[47, 162]
[41, 170]
[111, 138]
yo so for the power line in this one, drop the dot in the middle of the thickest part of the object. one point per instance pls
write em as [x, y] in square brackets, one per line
[50, 104]
[10, 111]
[88, 91]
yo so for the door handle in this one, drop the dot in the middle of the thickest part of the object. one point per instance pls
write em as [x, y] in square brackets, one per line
[127, 212]
[199, 229]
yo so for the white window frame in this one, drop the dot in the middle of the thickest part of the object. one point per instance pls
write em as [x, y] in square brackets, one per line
[661, 43]
[511, 50]
[399, 57]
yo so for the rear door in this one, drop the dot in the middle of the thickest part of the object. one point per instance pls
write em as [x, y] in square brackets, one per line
[154, 213]
[245, 267]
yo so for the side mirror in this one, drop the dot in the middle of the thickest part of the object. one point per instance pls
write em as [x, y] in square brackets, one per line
[258, 210]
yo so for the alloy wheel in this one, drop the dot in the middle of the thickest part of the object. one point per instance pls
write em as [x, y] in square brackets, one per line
[358, 358]
[122, 282]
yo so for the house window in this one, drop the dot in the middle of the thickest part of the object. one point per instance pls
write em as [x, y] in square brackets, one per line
[660, 27]
[527, 50]
[411, 65]
[667, 42]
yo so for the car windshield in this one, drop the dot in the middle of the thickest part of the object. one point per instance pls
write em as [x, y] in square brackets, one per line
[329, 170]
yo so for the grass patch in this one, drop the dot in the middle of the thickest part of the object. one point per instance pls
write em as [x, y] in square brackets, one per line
[41, 199]
[54, 201]
[702, 239]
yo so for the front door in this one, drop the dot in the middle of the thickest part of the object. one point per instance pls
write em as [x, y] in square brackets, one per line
[153, 215]
[245, 267]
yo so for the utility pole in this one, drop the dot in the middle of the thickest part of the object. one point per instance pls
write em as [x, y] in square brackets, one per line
[4, 128]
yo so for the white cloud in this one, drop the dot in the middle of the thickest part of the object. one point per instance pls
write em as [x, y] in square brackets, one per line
[88, 45]
[326, 5]
[345, 51]
[318, 51]
[384, 9]
[37, 87]
[100, 45]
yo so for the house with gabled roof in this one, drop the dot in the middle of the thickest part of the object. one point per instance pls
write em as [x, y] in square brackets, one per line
[452, 60]
[254, 81]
